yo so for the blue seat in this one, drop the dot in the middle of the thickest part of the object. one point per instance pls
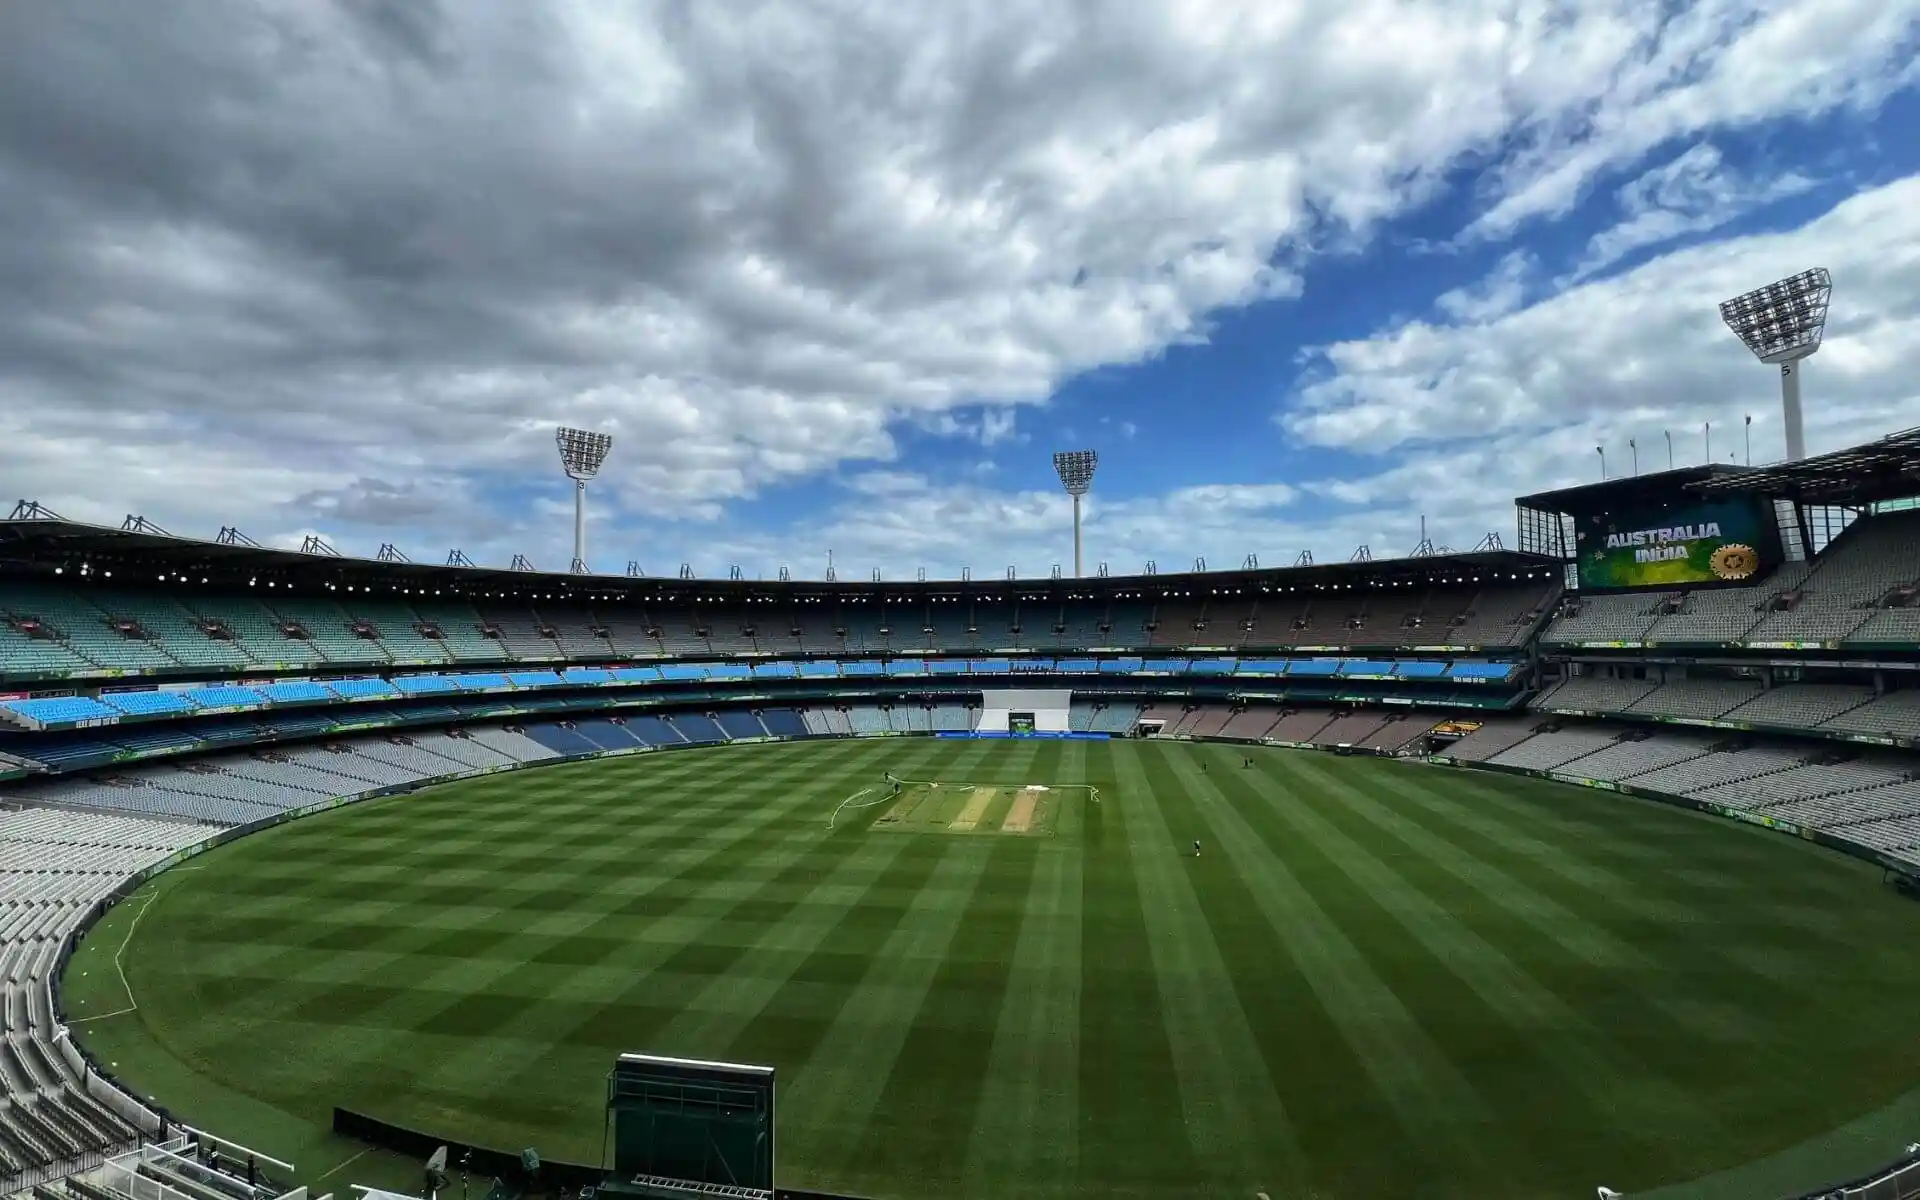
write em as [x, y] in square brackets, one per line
[225, 697]
[147, 704]
[62, 709]
[1364, 668]
[1261, 666]
[784, 722]
[296, 693]
[737, 724]
[359, 689]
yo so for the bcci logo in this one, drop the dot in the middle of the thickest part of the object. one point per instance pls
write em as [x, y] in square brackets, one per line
[1734, 561]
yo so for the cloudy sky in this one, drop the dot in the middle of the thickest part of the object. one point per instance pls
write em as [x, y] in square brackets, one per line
[840, 275]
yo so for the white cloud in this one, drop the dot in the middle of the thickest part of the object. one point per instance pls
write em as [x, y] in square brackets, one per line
[286, 265]
[1520, 400]
[1642, 82]
[1502, 291]
[1694, 192]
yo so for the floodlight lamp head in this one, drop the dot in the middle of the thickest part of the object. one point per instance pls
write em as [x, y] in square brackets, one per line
[582, 452]
[1783, 321]
[1075, 468]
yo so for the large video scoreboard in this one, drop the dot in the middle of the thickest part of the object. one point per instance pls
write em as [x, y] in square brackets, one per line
[1705, 543]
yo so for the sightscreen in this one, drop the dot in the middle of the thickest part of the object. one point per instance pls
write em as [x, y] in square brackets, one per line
[1700, 544]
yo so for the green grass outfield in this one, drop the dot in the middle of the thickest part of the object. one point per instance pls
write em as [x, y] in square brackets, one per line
[1378, 980]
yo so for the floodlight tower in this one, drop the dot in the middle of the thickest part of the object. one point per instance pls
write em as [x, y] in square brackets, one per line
[1075, 468]
[1782, 323]
[581, 454]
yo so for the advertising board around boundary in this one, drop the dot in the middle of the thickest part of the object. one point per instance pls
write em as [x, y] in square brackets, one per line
[1716, 543]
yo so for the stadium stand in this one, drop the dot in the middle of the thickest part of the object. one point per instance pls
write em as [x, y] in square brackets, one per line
[105, 755]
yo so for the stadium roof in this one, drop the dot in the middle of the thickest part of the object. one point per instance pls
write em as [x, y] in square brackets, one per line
[1659, 487]
[1888, 469]
[44, 543]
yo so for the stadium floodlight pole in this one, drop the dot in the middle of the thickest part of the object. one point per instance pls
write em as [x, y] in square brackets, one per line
[1633, 448]
[1749, 437]
[1669, 434]
[1075, 468]
[581, 454]
[1602, 452]
[1782, 324]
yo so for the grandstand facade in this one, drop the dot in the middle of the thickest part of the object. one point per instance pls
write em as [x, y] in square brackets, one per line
[159, 694]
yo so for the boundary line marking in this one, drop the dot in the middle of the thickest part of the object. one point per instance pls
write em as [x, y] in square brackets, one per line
[338, 1167]
[132, 1004]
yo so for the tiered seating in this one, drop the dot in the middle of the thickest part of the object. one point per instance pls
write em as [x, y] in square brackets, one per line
[329, 631]
[460, 635]
[1496, 616]
[1839, 595]
[783, 722]
[951, 717]
[1251, 723]
[1591, 619]
[740, 724]
[1802, 705]
[1092, 716]
[1594, 693]
[1351, 728]
[1898, 835]
[1302, 726]
[362, 689]
[1807, 780]
[1896, 713]
[867, 718]
[574, 634]
[510, 742]
[1697, 699]
[697, 728]
[1548, 750]
[172, 627]
[1899, 626]
[394, 624]
[60, 708]
[91, 632]
[1725, 614]
[1627, 758]
[404, 756]
[456, 745]
[54, 866]
[520, 634]
[147, 704]
[1209, 721]
[257, 632]
[1399, 730]
[1722, 766]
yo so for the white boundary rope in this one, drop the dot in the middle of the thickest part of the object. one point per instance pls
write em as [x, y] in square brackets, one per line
[854, 801]
[132, 1004]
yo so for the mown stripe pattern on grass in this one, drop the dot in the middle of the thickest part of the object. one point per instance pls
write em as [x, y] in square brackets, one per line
[1376, 981]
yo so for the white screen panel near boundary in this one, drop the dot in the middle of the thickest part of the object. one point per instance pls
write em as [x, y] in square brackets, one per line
[1048, 706]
